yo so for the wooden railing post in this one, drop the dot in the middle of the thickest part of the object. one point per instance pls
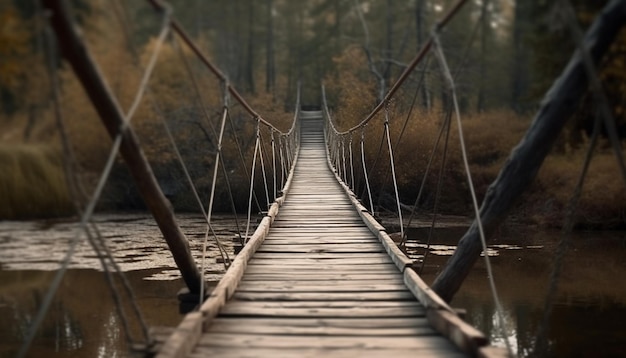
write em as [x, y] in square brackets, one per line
[75, 52]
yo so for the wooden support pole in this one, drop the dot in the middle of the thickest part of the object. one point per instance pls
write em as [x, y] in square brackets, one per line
[75, 52]
[525, 160]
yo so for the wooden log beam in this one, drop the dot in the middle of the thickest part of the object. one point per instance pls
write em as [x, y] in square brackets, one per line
[110, 112]
[524, 162]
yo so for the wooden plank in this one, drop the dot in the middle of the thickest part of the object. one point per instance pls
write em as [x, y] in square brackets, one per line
[321, 277]
[423, 292]
[351, 323]
[332, 309]
[255, 352]
[276, 341]
[328, 286]
[467, 338]
[317, 327]
[331, 304]
[321, 251]
[314, 281]
[184, 338]
[360, 261]
[328, 296]
[336, 268]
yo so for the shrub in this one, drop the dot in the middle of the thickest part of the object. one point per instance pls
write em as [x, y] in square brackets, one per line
[33, 182]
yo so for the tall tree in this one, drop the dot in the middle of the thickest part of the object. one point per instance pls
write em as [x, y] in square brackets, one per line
[520, 71]
[485, 29]
[270, 70]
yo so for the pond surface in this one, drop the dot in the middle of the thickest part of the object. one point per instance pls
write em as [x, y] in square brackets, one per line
[589, 313]
[589, 316]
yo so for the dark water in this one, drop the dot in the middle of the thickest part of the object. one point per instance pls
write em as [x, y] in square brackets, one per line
[589, 314]
[589, 317]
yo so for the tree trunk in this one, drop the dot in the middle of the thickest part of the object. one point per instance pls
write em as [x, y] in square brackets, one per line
[519, 76]
[419, 28]
[110, 112]
[270, 76]
[484, 34]
[524, 162]
[249, 68]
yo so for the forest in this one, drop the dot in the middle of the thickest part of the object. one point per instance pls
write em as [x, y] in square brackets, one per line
[505, 55]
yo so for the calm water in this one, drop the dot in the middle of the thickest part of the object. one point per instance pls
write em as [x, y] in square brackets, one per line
[589, 315]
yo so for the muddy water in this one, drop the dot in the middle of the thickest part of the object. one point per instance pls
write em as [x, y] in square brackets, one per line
[589, 315]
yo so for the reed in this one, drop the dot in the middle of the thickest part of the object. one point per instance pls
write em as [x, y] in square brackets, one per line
[32, 184]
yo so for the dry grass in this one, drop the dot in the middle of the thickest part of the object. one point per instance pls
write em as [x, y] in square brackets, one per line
[33, 182]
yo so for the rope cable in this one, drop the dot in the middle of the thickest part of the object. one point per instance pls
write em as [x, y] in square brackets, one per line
[56, 281]
[252, 171]
[367, 180]
[267, 193]
[438, 188]
[209, 211]
[448, 76]
[595, 83]
[393, 171]
[604, 116]
[72, 181]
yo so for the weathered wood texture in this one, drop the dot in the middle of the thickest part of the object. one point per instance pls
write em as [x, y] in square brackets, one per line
[325, 281]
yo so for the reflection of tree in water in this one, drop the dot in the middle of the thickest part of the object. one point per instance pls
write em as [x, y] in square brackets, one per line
[59, 329]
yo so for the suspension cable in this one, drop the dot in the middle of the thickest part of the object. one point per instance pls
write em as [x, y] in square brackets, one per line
[393, 170]
[252, 171]
[367, 180]
[274, 163]
[438, 189]
[216, 165]
[448, 76]
[56, 281]
[262, 153]
[73, 183]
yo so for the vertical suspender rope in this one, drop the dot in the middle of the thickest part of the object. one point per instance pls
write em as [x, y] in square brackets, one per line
[274, 163]
[352, 186]
[216, 164]
[393, 170]
[343, 159]
[282, 161]
[446, 71]
[367, 180]
[267, 193]
[256, 150]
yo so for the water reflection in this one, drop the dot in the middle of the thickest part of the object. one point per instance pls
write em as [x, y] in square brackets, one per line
[82, 321]
[589, 315]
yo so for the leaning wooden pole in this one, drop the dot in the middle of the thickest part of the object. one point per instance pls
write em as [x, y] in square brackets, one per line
[525, 160]
[76, 53]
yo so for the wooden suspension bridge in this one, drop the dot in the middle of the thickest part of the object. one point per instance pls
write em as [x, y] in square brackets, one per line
[320, 276]
[324, 279]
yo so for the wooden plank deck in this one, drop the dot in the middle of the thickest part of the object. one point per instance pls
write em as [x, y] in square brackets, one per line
[322, 284]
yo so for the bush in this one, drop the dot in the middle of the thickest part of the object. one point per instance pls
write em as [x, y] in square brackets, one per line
[33, 182]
